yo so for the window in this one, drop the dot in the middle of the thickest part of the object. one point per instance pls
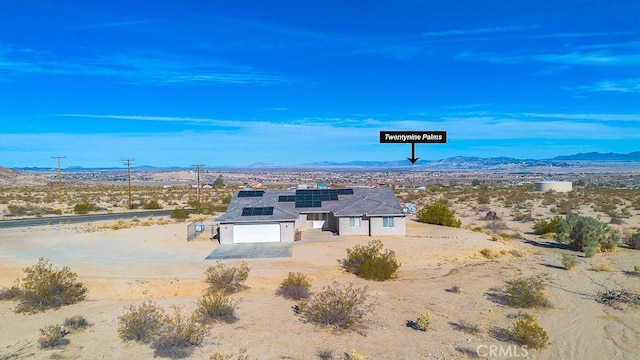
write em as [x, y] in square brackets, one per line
[354, 222]
[387, 222]
[317, 216]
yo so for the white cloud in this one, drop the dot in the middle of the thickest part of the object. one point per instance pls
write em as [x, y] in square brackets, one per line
[619, 86]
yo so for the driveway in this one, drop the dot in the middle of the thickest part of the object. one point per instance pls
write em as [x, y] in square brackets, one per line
[251, 251]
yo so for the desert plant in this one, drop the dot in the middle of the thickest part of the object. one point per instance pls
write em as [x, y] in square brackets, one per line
[242, 355]
[76, 322]
[634, 241]
[11, 293]
[46, 287]
[618, 297]
[179, 214]
[325, 354]
[438, 214]
[423, 322]
[602, 267]
[636, 268]
[526, 292]
[228, 279]
[467, 327]
[583, 232]
[569, 261]
[454, 289]
[541, 227]
[140, 323]
[296, 286]
[177, 334]
[489, 254]
[353, 355]
[216, 306]
[152, 205]
[526, 331]
[345, 307]
[83, 208]
[52, 336]
[370, 261]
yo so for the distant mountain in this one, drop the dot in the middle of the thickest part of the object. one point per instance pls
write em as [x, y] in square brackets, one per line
[596, 156]
[457, 162]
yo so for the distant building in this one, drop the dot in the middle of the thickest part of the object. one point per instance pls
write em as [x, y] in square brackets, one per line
[276, 215]
[558, 186]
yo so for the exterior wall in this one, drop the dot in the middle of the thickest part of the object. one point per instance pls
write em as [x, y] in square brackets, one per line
[287, 231]
[226, 233]
[330, 224]
[345, 229]
[399, 226]
[558, 186]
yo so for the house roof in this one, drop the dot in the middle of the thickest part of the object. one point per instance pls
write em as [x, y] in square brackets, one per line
[362, 202]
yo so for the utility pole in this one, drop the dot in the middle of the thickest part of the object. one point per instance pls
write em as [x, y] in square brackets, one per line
[128, 162]
[59, 175]
[197, 166]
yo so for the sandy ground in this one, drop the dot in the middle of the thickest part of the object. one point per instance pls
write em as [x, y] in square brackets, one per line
[131, 265]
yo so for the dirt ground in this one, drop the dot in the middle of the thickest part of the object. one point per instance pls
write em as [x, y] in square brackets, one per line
[128, 266]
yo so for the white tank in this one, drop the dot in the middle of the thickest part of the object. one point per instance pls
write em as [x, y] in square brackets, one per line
[558, 186]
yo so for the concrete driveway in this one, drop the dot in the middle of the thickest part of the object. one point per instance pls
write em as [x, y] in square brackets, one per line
[251, 251]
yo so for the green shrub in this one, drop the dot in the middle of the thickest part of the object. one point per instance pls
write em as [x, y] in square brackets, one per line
[526, 331]
[634, 241]
[140, 323]
[526, 292]
[52, 336]
[583, 232]
[423, 322]
[215, 306]
[438, 214]
[83, 208]
[541, 227]
[221, 277]
[345, 307]
[569, 261]
[44, 287]
[177, 334]
[152, 205]
[76, 322]
[370, 262]
[296, 286]
[179, 214]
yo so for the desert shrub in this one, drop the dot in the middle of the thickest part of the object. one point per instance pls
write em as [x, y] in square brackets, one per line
[215, 306]
[541, 227]
[345, 307]
[526, 331]
[602, 267]
[76, 322]
[438, 214]
[140, 323]
[497, 226]
[489, 254]
[228, 279]
[325, 354]
[45, 287]
[11, 293]
[526, 292]
[152, 205]
[454, 289]
[242, 355]
[52, 336]
[636, 268]
[423, 322]
[353, 355]
[516, 253]
[634, 241]
[467, 327]
[296, 286]
[569, 261]
[177, 334]
[370, 262]
[83, 208]
[618, 297]
[179, 214]
[582, 232]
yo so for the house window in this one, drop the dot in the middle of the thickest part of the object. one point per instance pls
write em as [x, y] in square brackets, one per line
[387, 221]
[317, 217]
[354, 222]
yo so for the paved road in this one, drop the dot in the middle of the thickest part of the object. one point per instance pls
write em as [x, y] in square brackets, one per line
[81, 218]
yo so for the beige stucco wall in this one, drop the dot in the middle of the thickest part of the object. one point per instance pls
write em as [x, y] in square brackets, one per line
[287, 232]
[345, 229]
[226, 233]
[399, 227]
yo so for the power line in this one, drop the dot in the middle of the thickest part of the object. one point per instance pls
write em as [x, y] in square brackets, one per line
[59, 175]
[197, 166]
[128, 163]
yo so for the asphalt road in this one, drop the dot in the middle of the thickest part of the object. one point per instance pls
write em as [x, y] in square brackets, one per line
[50, 220]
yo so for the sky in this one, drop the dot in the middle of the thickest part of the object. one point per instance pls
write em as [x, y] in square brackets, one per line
[233, 83]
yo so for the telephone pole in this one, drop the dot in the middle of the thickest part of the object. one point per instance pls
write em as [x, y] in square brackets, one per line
[197, 166]
[59, 175]
[128, 162]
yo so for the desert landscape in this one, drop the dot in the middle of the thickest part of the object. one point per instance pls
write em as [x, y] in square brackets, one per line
[454, 275]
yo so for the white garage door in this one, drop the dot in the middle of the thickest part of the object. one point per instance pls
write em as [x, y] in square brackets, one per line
[256, 233]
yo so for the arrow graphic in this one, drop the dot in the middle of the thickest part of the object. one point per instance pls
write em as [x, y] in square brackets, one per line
[413, 157]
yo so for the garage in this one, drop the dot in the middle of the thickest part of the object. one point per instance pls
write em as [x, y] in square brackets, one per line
[256, 233]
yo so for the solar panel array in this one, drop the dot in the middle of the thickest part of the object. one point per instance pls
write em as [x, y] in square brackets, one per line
[256, 211]
[250, 193]
[314, 197]
[286, 198]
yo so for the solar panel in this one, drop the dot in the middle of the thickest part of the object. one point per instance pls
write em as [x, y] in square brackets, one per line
[250, 193]
[257, 211]
[286, 198]
[315, 197]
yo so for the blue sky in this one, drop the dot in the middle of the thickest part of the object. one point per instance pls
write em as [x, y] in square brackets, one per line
[220, 83]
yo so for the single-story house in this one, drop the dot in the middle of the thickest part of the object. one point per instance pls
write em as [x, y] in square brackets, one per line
[276, 215]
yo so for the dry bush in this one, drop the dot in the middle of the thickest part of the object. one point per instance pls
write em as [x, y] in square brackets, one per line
[569, 261]
[76, 322]
[11, 293]
[325, 354]
[353, 355]
[225, 278]
[526, 292]
[370, 261]
[242, 355]
[216, 306]
[516, 253]
[45, 287]
[526, 331]
[423, 322]
[141, 322]
[489, 254]
[467, 327]
[454, 289]
[634, 241]
[497, 226]
[345, 307]
[177, 334]
[296, 286]
[52, 336]
[604, 267]
[618, 297]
